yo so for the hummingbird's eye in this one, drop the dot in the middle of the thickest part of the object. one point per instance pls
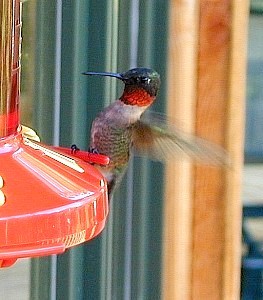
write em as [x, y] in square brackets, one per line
[145, 80]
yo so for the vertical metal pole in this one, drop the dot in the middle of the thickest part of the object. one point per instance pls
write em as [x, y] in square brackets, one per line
[134, 34]
[110, 96]
[46, 110]
[56, 130]
[57, 72]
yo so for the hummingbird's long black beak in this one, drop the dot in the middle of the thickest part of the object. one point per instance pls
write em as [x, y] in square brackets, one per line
[116, 75]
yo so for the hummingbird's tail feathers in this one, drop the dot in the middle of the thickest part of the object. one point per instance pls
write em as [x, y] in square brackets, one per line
[111, 188]
[113, 177]
[156, 138]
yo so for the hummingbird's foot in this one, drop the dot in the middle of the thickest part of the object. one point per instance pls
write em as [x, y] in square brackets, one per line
[74, 149]
[93, 150]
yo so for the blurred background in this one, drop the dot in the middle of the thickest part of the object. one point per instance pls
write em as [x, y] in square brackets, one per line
[61, 39]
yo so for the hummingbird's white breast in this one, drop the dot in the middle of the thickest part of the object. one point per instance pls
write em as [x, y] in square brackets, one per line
[122, 113]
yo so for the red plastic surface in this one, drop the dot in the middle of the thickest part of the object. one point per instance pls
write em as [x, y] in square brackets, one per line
[52, 201]
[86, 156]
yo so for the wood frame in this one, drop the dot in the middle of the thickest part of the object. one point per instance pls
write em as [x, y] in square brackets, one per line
[206, 92]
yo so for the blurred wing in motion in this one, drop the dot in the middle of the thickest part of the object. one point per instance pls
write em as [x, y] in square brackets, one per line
[154, 137]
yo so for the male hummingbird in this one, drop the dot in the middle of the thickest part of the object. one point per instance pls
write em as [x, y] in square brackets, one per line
[124, 126]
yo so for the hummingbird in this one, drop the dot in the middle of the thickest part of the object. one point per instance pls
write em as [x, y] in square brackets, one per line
[125, 126]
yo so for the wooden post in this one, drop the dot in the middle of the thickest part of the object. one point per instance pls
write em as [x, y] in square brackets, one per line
[181, 86]
[234, 144]
[202, 233]
[211, 117]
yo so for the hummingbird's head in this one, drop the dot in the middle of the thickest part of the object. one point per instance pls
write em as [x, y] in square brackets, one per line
[141, 85]
[146, 79]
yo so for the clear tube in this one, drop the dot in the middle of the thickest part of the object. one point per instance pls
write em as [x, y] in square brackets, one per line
[10, 45]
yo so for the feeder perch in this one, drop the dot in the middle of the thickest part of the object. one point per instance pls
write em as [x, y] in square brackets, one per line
[50, 198]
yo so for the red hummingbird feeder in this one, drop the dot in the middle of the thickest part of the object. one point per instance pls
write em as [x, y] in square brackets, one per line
[50, 200]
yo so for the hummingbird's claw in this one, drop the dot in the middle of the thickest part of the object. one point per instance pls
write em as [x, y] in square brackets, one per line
[74, 149]
[93, 150]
